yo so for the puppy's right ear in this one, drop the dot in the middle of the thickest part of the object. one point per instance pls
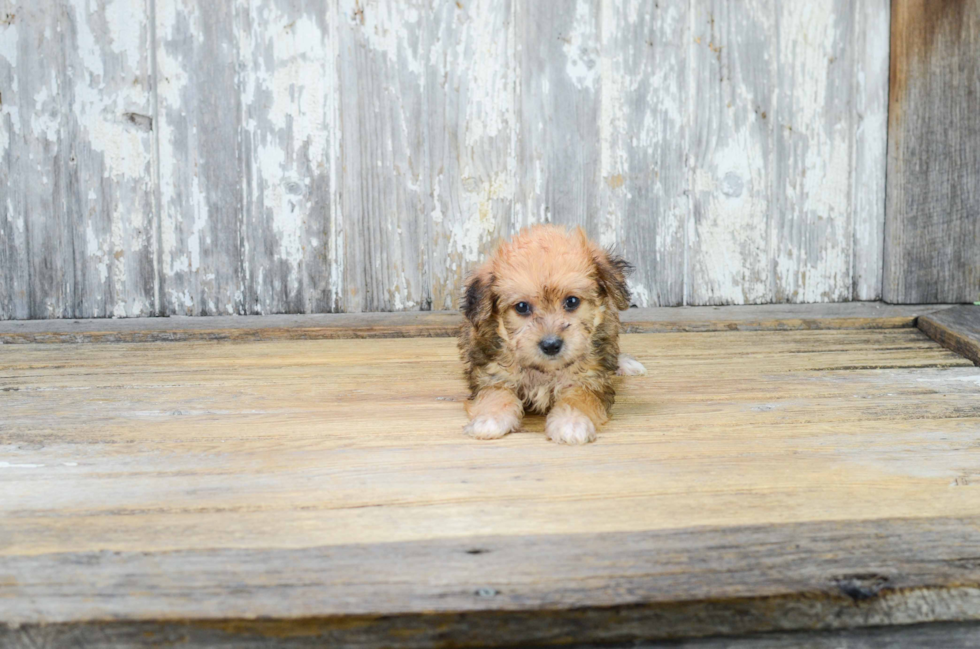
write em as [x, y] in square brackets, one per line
[478, 300]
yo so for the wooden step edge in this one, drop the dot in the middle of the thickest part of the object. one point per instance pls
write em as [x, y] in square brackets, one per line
[957, 329]
[441, 324]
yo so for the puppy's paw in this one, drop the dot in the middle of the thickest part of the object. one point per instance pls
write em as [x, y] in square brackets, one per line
[491, 426]
[629, 366]
[569, 427]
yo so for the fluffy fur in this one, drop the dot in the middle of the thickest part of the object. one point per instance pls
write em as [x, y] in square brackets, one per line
[521, 297]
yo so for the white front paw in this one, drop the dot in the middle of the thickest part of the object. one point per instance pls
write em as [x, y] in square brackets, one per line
[629, 366]
[570, 428]
[491, 426]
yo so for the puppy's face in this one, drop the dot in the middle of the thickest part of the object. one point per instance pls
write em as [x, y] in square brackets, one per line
[545, 292]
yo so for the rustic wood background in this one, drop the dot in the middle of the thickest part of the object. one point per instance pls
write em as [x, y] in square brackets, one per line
[292, 156]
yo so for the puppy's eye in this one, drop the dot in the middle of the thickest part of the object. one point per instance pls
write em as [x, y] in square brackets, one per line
[523, 308]
[571, 303]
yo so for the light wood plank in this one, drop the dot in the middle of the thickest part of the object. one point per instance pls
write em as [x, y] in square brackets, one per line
[644, 129]
[201, 157]
[932, 230]
[732, 153]
[291, 147]
[559, 132]
[77, 219]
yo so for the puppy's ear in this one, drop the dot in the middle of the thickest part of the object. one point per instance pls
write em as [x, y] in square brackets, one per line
[478, 299]
[611, 274]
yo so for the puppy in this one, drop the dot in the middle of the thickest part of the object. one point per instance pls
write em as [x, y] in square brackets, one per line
[542, 334]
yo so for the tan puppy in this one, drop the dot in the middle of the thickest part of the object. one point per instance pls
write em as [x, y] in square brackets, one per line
[542, 334]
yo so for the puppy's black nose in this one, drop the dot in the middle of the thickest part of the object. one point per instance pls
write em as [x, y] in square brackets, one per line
[551, 345]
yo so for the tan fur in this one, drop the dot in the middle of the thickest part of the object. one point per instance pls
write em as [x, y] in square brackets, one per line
[543, 266]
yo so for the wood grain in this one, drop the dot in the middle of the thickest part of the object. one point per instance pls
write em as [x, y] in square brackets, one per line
[76, 144]
[932, 230]
[322, 492]
[505, 591]
[956, 329]
[851, 315]
[311, 156]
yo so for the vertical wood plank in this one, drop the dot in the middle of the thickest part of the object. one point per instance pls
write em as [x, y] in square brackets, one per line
[644, 127]
[870, 77]
[732, 150]
[932, 228]
[559, 140]
[382, 80]
[19, 56]
[812, 226]
[470, 95]
[201, 159]
[79, 152]
[290, 146]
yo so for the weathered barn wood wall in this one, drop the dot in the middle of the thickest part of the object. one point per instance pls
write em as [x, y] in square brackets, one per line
[933, 227]
[291, 156]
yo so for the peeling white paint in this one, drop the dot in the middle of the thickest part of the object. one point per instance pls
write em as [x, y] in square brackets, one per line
[580, 47]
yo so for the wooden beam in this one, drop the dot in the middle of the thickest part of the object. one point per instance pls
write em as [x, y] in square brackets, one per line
[956, 329]
[850, 315]
[499, 591]
[932, 224]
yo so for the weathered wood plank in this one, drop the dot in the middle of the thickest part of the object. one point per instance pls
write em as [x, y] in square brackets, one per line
[471, 123]
[77, 190]
[382, 77]
[201, 157]
[731, 149]
[852, 315]
[956, 329]
[812, 169]
[559, 112]
[643, 124]
[291, 147]
[870, 141]
[498, 591]
[932, 233]
[943, 635]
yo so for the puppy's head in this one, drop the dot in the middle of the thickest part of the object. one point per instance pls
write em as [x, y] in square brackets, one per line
[545, 293]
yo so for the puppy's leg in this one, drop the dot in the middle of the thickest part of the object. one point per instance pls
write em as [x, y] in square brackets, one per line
[629, 366]
[494, 412]
[575, 417]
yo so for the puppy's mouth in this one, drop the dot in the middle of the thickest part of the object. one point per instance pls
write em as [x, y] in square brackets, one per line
[556, 365]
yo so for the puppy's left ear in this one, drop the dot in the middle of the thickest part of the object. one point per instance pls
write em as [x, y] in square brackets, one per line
[611, 274]
[478, 299]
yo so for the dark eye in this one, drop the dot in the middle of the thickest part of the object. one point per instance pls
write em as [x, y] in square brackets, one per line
[571, 303]
[523, 308]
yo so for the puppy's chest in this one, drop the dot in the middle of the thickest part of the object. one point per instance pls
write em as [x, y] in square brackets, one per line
[539, 390]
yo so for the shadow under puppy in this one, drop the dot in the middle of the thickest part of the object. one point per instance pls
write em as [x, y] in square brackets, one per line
[542, 334]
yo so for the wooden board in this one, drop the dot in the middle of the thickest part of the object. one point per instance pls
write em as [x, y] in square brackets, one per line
[310, 156]
[932, 230]
[957, 329]
[76, 160]
[852, 315]
[322, 492]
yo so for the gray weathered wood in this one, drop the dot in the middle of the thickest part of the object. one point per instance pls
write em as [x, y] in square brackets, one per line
[498, 591]
[290, 141]
[956, 329]
[932, 234]
[851, 315]
[944, 635]
[336, 155]
[644, 125]
[201, 158]
[76, 144]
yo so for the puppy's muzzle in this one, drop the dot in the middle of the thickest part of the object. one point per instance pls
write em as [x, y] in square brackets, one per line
[551, 345]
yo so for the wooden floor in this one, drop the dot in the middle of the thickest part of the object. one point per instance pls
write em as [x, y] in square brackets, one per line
[184, 481]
